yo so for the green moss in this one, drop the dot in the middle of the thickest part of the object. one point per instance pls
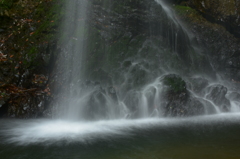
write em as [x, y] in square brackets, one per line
[175, 83]
[183, 10]
[50, 22]
[188, 14]
[6, 4]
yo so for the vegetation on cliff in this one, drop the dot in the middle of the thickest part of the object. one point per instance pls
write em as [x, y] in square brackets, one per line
[28, 44]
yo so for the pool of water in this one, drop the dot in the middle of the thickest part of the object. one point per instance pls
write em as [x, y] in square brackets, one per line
[204, 137]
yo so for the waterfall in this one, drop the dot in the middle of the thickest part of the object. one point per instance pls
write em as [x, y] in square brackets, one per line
[113, 69]
[72, 59]
[129, 81]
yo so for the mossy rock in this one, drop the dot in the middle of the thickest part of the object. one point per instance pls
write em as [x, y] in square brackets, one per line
[176, 100]
[183, 9]
[174, 83]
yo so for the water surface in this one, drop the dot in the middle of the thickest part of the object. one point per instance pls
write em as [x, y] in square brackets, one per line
[213, 137]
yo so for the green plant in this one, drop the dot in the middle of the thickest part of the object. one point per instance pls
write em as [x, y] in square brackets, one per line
[6, 4]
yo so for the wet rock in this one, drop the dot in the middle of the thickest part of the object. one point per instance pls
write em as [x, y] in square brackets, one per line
[97, 108]
[235, 96]
[223, 12]
[111, 92]
[209, 107]
[132, 103]
[102, 104]
[136, 30]
[26, 107]
[217, 94]
[197, 84]
[101, 76]
[174, 83]
[152, 99]
[177, 100]
[196, 107]
[138, 76]
[126, 64]
[215, 34]
[19, 102]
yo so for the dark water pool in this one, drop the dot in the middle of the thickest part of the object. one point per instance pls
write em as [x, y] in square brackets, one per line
[208, 137]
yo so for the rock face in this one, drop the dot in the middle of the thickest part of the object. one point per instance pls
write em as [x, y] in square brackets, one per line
[223, 12]
[219, 40]
[26, 56]
[134, 42]
[129, 44]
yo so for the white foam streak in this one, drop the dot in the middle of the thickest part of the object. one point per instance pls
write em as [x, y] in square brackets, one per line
[51, 131]
[41, 131]
[168, 11]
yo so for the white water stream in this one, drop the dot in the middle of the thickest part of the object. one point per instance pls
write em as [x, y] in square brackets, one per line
[97, 103]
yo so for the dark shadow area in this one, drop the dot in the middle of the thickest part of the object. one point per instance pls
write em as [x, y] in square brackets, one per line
[3, 110]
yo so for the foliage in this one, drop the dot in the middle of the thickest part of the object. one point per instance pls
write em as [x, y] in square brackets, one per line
[28, 35]
[6, 4]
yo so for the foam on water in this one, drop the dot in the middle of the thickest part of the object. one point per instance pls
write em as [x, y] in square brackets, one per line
[24, 132]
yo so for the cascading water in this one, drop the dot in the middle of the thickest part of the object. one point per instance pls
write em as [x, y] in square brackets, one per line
[97, 85]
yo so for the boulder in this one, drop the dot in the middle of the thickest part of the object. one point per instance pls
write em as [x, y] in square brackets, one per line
[217, 94]
[177, 101]
[235, 96]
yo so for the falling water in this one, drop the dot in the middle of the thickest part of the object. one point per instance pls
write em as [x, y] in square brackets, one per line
[73, 59]
[86, 99]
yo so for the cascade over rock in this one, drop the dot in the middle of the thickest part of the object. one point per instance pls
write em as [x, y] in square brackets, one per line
[197, 84]
[177, 100]
[127, 59]
[217, 94]
[216, 27]
[126, 46]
